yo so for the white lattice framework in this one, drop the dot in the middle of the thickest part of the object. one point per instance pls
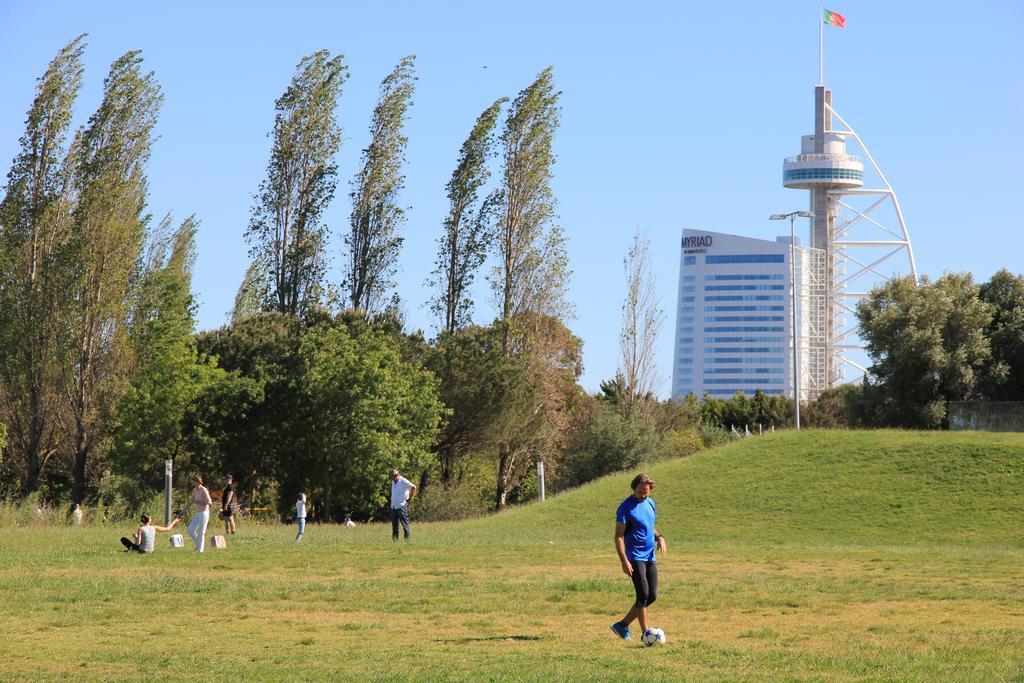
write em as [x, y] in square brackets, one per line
[812, 295]
[854, 273]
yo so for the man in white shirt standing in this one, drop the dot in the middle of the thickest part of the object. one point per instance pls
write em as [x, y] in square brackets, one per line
[401, 491]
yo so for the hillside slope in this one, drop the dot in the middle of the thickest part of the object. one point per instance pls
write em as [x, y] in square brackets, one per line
[812, 487]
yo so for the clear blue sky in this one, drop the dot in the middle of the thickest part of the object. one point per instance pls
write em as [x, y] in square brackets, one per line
[673, 115]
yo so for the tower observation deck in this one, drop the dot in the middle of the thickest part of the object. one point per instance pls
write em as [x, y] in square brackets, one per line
[842, 264]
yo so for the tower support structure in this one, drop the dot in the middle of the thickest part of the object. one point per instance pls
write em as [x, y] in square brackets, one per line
[851, 247]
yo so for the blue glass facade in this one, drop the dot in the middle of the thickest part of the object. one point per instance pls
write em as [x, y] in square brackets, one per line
[744, 298]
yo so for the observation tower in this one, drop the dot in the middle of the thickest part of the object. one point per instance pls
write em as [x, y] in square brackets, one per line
[851, 247]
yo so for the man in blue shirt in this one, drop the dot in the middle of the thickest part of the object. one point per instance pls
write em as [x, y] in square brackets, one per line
[635, 541]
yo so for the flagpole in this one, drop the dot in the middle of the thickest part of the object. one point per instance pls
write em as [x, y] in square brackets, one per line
[821, 46]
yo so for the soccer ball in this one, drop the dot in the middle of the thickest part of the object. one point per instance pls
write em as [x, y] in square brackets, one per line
[653, 636]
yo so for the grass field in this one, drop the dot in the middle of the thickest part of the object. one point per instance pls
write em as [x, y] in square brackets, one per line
[823, 555]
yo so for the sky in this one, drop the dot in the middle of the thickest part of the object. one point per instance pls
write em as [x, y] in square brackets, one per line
[674, 115]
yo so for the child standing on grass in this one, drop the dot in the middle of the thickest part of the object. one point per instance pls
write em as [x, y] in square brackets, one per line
[300, 516]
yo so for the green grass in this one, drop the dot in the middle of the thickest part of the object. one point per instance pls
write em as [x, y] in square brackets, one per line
[821, 556]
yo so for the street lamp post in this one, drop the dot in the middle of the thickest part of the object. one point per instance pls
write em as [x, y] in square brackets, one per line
[792, 303]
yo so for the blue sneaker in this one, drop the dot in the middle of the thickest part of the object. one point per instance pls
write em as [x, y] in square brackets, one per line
[621, 630]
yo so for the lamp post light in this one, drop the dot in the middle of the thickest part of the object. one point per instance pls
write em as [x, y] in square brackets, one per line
[792, 260]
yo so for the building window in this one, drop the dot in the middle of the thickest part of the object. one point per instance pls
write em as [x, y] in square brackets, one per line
[689, 260]
[733, 392]
[744, 258]
[746, 297]
[770, 276]
[744, 288]
[753, 381]
[712, 330]
[743, 318]
[716, 309]
[744, 361]
[822, 174]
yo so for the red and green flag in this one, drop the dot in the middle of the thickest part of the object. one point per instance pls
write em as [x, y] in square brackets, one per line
[833, 18]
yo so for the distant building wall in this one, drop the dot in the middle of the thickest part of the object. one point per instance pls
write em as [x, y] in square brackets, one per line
[986, 416]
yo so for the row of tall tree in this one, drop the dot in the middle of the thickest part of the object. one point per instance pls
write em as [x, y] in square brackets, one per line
[72, 224]
[312, 385]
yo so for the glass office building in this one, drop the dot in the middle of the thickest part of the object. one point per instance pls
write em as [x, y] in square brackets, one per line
[733, 323]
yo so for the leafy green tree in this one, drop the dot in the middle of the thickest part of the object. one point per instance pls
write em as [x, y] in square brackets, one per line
[532, 266]
[474, 376]
[252, 422]
[537, 408]
[286, 231]
[613, 442]
[251, 295]
[374, 240]
[169, 374]
[463, 246]
[927, 345]
[35, 268]
[1003, 377]
[110, 159]
[371, 412]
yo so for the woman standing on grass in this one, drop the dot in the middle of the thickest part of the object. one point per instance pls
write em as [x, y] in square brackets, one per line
[202, 501]
[635, 541]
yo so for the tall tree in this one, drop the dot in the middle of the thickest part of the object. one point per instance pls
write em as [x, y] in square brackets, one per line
[532, 267]
[927, 345]
[168, 374]
[372, 412]
[286, 231]
[475, 378]
[641, 323]
[35, 227]
[111, 154]
[463, 246]
[374, 240]
[251, 294]
[1003, 378]
[536, 408]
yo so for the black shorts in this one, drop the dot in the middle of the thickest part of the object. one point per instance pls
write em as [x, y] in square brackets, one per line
[226, 513]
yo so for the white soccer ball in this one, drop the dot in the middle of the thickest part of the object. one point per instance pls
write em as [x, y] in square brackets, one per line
[653, 636]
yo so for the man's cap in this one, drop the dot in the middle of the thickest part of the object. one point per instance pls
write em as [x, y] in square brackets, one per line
[641, 479]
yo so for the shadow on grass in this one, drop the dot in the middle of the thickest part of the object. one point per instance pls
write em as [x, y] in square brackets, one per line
[477, 639]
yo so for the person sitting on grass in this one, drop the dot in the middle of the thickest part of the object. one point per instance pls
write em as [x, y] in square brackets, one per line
[145, 537]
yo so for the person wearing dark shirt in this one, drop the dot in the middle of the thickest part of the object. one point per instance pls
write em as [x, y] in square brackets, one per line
[635, 541]
[229, 504]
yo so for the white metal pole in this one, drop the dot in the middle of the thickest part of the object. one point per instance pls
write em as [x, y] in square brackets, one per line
[796, 356]
[821, 46]
[540, 479]
[168, 478]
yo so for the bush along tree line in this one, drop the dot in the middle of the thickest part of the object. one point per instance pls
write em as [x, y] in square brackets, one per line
[317, 386]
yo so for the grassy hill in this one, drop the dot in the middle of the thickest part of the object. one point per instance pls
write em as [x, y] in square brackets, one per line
[813, 487]
[812, 556]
